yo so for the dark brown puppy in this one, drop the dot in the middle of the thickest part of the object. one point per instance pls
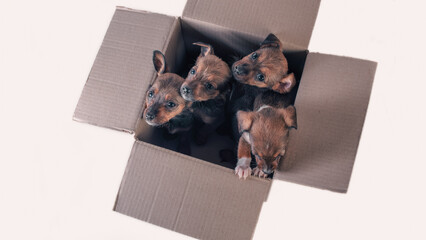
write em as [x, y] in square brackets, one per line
[267, 67]
[207, 86]
[264, 133]
[164, 106]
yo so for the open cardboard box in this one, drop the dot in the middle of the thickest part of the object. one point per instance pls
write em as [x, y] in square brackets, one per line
[198, 195]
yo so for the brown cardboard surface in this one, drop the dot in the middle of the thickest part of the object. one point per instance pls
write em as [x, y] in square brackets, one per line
[291, 20]
[188, 195]
[115, 89]
[331, 105]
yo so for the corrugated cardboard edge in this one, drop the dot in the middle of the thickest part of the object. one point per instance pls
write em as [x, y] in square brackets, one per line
[74, 118]
[216, 7]
[189, 158]
[143, 214]
[285, 169]
[105, 124]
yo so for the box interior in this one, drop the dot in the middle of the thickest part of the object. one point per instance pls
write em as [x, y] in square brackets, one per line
[230, 45]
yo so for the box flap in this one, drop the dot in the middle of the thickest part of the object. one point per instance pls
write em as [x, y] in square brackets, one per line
[331, 104]
[190, 196]
[291, 20]
[122, 71]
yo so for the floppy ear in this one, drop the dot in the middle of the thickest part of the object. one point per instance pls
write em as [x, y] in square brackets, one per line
[285, 84]
[159, 62]
[271, 41]
[245, 120]
[206, 49]
[290, 117]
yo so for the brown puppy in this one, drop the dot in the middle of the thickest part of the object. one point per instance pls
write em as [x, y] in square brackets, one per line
[264, 133]
[164, 106]
[267, 67]
[207, 86]
[264, 70]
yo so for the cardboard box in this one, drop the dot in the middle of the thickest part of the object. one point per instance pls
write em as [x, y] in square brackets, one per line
[198, 195]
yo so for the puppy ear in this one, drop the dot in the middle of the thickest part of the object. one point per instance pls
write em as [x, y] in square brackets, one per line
[159, 62]
[245, 120]
[206, 49]
[271, 41]
[285, 84]
[290, 117]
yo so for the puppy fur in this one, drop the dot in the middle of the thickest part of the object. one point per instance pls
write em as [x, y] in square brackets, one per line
[207, 86]
[264, 133]
[164, 106]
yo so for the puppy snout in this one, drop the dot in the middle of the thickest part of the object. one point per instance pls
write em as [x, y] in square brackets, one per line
[150, 116]
[186, 90]
[240, 69]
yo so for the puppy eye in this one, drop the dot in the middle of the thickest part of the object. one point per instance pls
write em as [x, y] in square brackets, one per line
[192, 71]
[150, 94]
[260, 77]
[171, 104]
[254, 56]
[209, 86]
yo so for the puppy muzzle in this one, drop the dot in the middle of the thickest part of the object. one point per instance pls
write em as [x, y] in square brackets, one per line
[239, 70]
[186, 93]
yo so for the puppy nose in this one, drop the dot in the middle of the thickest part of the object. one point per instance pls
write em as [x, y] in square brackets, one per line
[240, 69]
[150, 116]
[237, 69]
[186, 90]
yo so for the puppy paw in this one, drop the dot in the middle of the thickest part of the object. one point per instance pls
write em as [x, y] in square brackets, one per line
[242, 172]
[243, 169]
[259, 173]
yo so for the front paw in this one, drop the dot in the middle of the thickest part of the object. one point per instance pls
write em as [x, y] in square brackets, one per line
[243, 169]
[259, 173]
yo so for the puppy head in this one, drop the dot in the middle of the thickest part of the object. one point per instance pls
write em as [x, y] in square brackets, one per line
[163, 101]
[267, 131]
[266, 67]
[208, 78]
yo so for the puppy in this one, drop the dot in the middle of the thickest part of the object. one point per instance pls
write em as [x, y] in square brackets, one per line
[264, 132]
[164, 106]
[263, 70]
[266, 67]
[207, 86]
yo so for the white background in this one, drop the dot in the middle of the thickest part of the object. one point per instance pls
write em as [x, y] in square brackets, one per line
[59, 178]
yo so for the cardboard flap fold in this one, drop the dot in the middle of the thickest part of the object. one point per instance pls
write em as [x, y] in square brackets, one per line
[291, 20]
[122, 71]
[188, 195]
[331, 106]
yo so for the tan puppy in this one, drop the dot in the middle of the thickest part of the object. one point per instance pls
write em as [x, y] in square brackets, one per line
[207, 86]
[264, 133]
[165, 107]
